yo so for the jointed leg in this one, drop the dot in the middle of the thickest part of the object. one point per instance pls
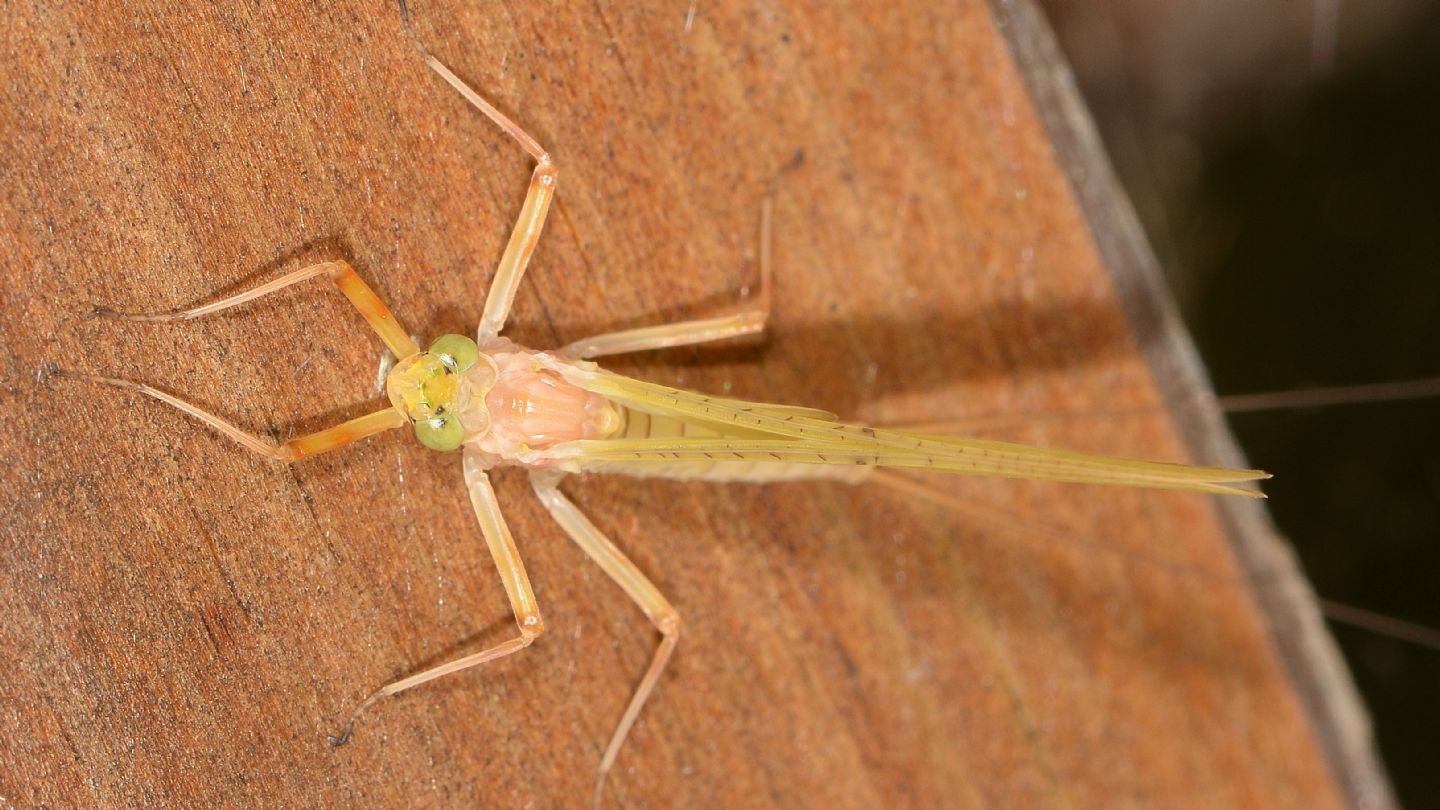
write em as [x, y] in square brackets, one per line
[746, 322]
[371, 308]
[644, 593]
[512, 576]
[360, 295]
[532, 214]
[293, 450]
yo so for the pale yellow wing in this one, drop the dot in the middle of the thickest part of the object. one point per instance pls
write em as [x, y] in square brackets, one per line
[801, 438]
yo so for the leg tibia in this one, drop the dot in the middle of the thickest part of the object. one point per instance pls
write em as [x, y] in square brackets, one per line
[625, 574]
[371, 308]
[748, 321]
[512, 576]
[293, 450]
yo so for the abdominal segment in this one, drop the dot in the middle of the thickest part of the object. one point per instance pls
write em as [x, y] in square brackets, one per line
[721, 466]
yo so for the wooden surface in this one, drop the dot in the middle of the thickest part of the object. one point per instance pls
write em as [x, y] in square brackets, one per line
[185, 622]
[1287, 602]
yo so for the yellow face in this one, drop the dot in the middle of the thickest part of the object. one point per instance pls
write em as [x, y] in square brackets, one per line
[442, 391]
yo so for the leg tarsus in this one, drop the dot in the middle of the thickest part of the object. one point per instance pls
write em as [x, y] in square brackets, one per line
[337, 740]
[670, 637]
[492, 112]
[247, 440]
[526, 638]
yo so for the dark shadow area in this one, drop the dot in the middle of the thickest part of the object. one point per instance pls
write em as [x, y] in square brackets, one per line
[1060, 335]
[1315, 238]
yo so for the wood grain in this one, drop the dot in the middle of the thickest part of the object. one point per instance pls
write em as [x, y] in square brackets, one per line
[187, 622]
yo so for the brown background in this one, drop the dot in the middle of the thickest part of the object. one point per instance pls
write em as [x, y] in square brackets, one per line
[187, 622]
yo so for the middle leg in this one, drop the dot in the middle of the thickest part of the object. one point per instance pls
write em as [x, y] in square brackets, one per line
[512, 577]
[533, 211]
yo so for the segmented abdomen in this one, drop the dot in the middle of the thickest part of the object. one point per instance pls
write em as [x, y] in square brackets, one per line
[642, 425]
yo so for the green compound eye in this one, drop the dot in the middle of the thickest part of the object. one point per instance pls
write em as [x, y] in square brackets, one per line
[457, 352]
[441, 432]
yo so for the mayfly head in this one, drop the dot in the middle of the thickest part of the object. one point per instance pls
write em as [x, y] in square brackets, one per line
[442, 391]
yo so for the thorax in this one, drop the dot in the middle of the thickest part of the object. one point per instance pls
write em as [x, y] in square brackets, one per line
[533, 405]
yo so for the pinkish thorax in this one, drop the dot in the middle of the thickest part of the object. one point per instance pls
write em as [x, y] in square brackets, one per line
[533, 408]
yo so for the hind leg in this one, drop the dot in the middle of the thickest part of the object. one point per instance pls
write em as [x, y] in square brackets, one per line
[748, 321]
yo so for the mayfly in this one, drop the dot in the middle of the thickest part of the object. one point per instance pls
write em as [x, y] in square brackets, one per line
[556, 413]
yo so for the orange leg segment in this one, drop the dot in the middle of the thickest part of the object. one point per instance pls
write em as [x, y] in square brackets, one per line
[371, 308]
[342, 434]
[309, 445]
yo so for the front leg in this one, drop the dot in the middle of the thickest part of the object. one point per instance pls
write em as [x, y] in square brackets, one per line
[364, 299]
[339, 271]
